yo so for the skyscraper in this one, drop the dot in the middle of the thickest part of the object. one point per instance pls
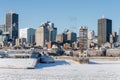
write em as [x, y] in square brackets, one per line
[41, 36]
[29, 34]
[11, 25]
[45, 33]
[70, 36]
[104, 30]
[61, 38]
[52, 31]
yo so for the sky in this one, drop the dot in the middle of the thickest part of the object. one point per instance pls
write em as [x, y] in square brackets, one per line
[65, 14]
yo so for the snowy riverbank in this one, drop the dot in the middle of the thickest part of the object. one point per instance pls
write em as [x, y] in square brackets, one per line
[65, 70]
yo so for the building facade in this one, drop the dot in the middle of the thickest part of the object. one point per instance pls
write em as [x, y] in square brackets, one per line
[28, 33]
[41, 36]
[12, 25]
[59, 38]
[113, 37]
[71, 37]
[104, 30]
[2, 28]
[45, 33]
[91, 34]
[4, 36]
[83, 38]
[119, 35]
[20, 42]
[52, 31]
[91, 37]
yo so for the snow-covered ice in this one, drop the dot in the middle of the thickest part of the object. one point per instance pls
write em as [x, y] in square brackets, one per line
[17, 63]
[65, 70]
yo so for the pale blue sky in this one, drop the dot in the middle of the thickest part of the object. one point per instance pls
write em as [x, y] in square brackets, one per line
[65, 14]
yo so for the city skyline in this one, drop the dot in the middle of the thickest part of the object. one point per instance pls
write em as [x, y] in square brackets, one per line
[64, 14]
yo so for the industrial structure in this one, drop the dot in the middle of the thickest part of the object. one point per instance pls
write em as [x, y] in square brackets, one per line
[83, 38]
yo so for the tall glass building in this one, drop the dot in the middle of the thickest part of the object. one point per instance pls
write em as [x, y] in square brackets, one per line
[11, 25]
[28, 34]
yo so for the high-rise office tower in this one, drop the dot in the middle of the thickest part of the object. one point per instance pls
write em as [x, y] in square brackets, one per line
[70, 36]
[45, 33]
[104, 30]
[11, 25]
[61, 38]
[41, 36]
[52, 31]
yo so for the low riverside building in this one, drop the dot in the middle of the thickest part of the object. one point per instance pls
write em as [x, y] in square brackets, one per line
[18, 59]
[104, 52]
[113, 52]
[96, 53]
[19, 53]
[21, 42]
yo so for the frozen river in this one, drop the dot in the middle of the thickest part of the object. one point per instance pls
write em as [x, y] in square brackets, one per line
[65, 70]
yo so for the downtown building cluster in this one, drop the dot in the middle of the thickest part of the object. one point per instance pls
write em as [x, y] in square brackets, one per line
[46, 35]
